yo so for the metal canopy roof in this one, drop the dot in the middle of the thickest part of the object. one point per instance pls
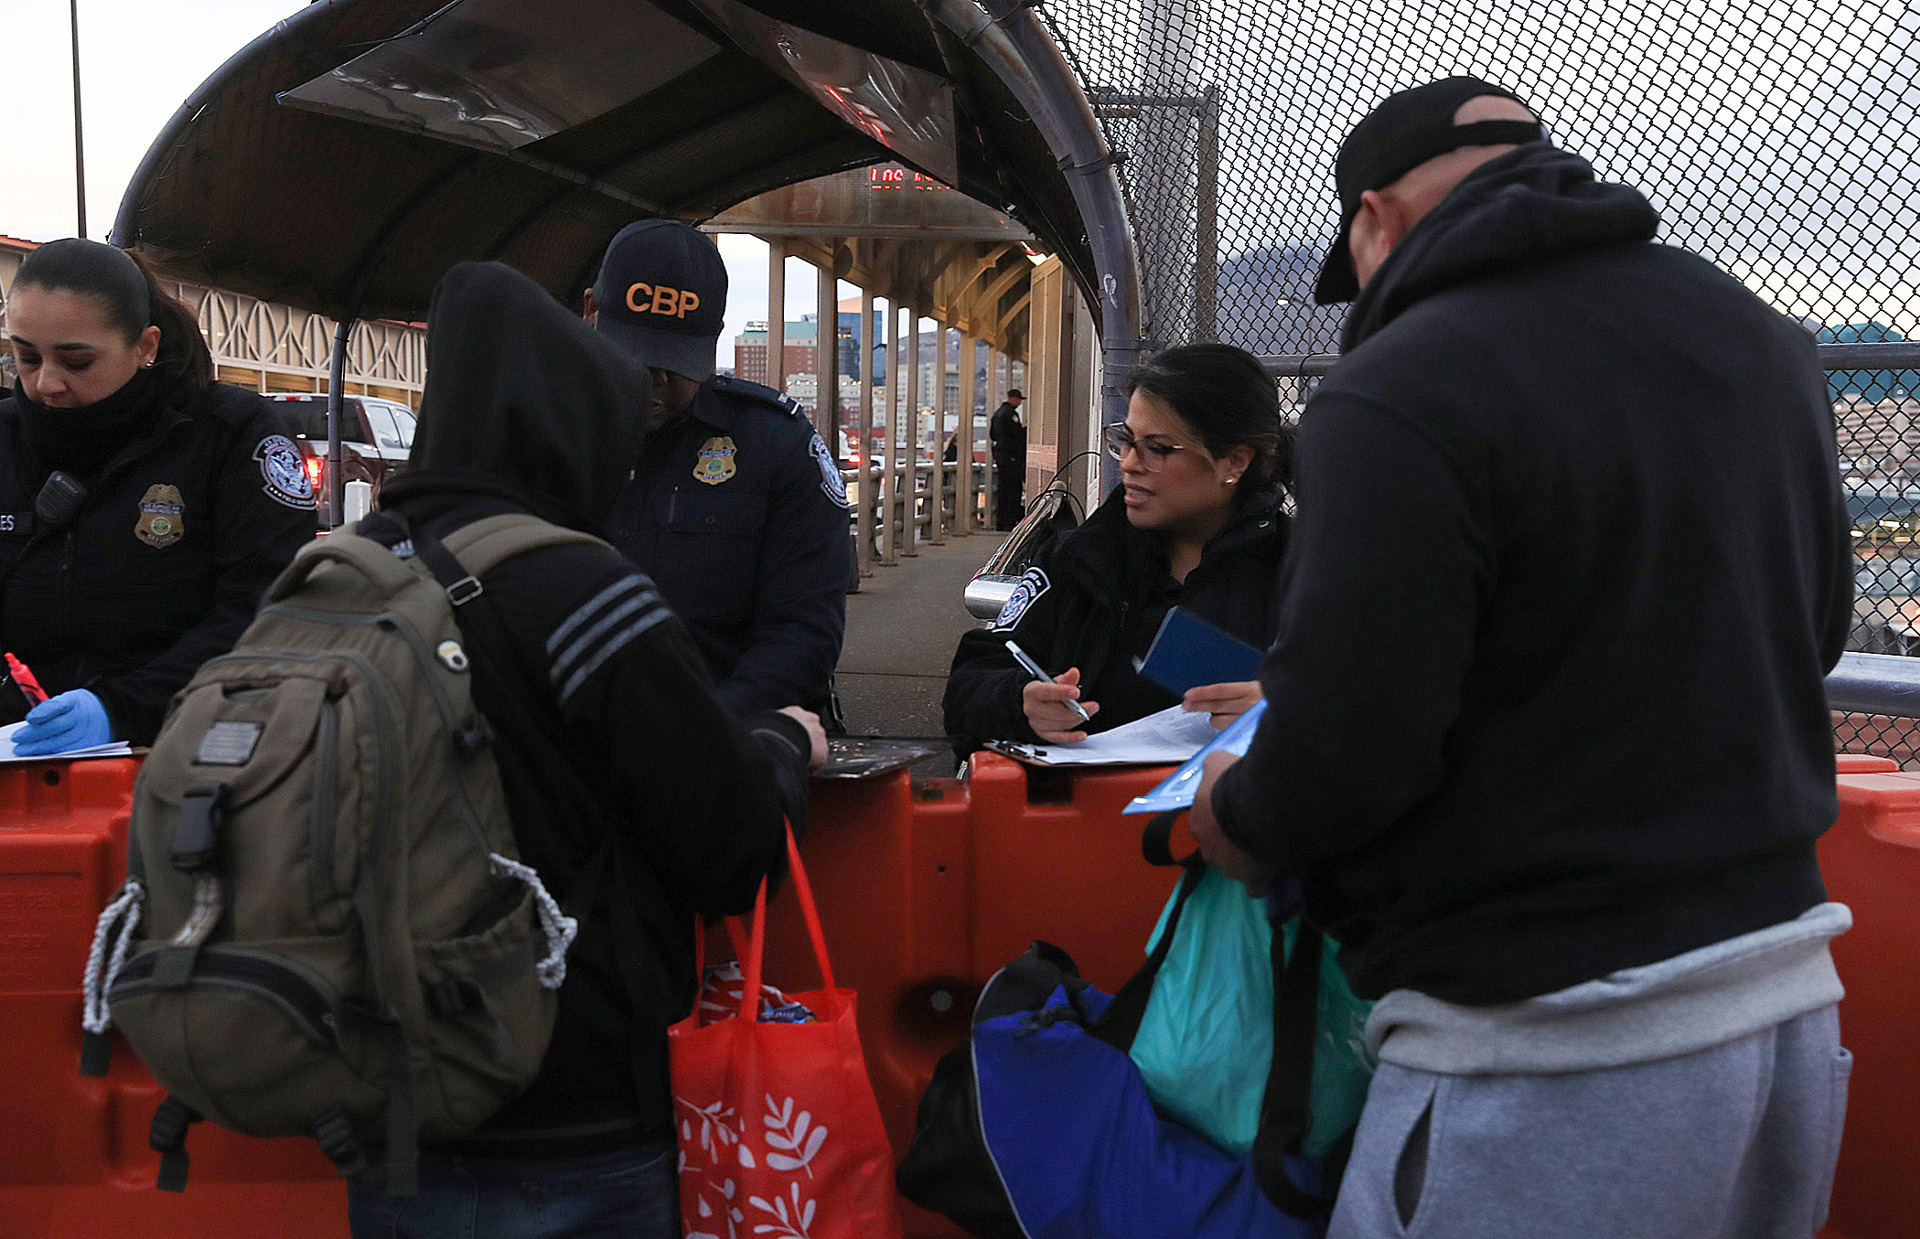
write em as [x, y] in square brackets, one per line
[905, 237]
[345, 159]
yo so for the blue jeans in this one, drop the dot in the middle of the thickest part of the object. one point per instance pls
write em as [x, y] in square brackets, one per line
[626, 1194]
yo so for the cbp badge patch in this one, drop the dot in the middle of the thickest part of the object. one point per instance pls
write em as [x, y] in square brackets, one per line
[713, 464]
[830, 480]
[162, 516]
[285, 473]
[1032, 584]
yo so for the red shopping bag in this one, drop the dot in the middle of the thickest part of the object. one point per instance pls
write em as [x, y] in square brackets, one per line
[780, 1135]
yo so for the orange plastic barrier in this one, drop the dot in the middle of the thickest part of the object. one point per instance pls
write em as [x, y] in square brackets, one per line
[74, 1159]
[925, 891]
[1871, 862]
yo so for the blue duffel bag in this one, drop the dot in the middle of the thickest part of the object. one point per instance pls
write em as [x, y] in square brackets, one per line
[1041, 1127]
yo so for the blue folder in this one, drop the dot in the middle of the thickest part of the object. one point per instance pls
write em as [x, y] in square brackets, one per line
[1177, 789]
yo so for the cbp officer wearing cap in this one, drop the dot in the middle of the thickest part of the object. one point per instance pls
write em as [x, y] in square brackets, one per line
[1546, 734]
[736, 508]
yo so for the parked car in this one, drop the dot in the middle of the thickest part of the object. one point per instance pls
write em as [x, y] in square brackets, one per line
[376, 437]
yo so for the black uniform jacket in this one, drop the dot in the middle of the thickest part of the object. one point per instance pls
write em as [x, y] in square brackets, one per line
[736, 510]
[1008, 437]
[1571, 561]
[606, 728]
[1094, 599]
[178, 538]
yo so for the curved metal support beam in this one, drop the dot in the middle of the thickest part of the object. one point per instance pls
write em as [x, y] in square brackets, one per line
[1012, 41]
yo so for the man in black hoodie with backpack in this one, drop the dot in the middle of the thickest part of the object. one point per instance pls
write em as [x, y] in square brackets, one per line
[631, 789]
[1547, 735]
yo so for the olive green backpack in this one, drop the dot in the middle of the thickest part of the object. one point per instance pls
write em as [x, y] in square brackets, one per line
[325, 928]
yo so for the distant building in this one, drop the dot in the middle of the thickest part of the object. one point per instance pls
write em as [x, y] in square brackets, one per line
[851, 345]
[1871, 386]
[803, 354]
[270, 347]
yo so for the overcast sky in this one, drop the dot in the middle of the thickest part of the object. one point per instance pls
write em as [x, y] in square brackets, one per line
[1780, 137]
[138, 60]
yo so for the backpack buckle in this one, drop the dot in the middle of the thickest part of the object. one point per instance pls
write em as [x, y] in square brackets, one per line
[463, 591]
[196, 836]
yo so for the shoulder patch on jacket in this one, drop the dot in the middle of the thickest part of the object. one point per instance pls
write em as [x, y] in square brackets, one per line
[1033, 583]
[284, 472]
[830, 479]
[599, 628]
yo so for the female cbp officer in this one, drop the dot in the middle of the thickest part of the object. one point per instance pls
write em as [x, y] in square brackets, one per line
[144, 508]
[1196, 523]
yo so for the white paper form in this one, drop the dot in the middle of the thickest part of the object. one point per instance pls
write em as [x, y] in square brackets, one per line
[1162, 739]
[118, 748]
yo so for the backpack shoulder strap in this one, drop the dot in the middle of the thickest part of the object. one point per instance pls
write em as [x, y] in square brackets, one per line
[1286, 1110]
[345, 546]
[483, 544]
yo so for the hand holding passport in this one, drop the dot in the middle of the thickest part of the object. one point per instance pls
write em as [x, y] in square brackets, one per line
[1207, 668]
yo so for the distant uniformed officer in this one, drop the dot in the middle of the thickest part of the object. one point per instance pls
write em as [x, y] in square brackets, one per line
[1009, 438]
[736, 508]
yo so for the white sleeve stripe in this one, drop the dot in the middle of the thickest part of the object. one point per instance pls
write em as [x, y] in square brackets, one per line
[612, 647]
[586, 610]
[584, 642]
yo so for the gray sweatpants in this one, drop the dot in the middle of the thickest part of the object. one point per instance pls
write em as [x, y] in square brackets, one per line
[1734, 1142]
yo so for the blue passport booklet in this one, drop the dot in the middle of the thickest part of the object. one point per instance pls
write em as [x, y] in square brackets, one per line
[1188, 652]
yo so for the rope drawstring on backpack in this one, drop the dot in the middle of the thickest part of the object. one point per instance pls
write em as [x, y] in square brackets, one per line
[102, 969]
[557, 925]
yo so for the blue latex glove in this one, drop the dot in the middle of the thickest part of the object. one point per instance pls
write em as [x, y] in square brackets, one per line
[74, 720]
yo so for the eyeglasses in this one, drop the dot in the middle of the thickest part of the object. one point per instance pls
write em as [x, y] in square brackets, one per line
[1153, 451]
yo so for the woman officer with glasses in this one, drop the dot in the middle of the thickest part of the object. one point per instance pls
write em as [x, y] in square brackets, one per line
[1195, 523]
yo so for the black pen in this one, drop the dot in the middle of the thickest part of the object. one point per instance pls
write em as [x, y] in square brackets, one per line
[1034, 669]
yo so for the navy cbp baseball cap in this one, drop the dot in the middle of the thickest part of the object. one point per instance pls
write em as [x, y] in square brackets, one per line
[1399, 135]
[662, 296]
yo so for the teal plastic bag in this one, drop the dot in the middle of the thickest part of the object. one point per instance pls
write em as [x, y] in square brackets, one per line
[1206, 1040]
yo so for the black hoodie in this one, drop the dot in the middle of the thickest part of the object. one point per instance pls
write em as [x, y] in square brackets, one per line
[1570, 563]
[607, 720]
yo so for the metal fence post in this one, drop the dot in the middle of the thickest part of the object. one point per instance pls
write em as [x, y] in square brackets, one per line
[963, 434]
[777, 313]
[941, 407]
[826, 355]
[888, 492]
[910, 437]
[869, 489]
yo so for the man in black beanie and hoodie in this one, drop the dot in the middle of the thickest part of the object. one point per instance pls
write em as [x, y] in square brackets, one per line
[1546, 734]
[605, 720]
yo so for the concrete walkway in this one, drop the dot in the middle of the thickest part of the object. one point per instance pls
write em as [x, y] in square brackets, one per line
[902, 628]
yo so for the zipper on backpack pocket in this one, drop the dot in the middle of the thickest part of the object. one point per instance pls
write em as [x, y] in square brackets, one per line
[326, 789]
[300, 996]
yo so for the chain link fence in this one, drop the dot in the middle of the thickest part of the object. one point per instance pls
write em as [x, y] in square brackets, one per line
[1778, 139]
